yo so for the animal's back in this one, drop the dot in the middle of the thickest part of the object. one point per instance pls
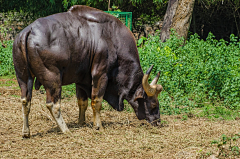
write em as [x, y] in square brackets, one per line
[69, 41]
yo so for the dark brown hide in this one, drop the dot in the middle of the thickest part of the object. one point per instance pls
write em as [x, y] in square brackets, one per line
[87, 47]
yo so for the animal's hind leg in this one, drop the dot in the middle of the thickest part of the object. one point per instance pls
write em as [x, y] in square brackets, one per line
[25, 81]
[26, 96]
[26, 105]
[53, 91]
[82, 104]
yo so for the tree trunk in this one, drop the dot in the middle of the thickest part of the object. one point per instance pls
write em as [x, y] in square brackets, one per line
[178, 16]
[108, 5]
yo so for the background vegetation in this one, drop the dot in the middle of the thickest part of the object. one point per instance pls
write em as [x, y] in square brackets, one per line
[6, 61]
[197, 73]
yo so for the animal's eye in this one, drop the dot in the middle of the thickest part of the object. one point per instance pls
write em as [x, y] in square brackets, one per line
[153, 105]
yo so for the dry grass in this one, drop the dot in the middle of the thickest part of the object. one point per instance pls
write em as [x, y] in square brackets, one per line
[124, 136]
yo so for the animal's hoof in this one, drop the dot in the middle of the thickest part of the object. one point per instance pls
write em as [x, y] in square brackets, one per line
[81, 122]
[26, 135]
[68, 132]
[98, 127]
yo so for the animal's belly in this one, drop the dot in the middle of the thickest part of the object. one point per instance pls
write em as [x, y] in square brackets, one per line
[74, 76]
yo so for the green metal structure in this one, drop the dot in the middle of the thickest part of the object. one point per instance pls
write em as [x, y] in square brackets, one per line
[125, 17]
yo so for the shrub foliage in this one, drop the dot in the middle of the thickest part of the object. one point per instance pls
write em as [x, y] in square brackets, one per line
[6, 61]
[196, 72]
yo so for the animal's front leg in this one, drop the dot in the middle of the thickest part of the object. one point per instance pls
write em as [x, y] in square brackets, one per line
[96, 106]
[82, 104]
[99, 83]
[98, 90]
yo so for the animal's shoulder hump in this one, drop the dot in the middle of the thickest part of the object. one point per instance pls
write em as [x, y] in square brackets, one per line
[91, 14]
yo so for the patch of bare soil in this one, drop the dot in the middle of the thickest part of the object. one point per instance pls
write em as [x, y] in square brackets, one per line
[124, 136]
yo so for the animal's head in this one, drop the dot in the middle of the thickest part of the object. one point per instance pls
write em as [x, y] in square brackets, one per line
[147, 98]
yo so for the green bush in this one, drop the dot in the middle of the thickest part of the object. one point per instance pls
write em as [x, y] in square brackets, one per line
[195, 72]
[6, 61]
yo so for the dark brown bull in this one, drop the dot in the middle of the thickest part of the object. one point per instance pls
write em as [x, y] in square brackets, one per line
[92, 49]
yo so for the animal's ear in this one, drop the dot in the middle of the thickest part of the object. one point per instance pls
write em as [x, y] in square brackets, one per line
[139, 94]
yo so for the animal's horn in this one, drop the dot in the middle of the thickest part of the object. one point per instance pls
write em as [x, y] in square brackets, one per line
[154, 81]
[149, 70]
[150, 90]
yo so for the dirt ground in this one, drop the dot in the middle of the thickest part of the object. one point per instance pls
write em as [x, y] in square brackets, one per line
[124, 136]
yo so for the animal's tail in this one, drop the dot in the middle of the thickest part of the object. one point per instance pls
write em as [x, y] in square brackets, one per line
[23, 41]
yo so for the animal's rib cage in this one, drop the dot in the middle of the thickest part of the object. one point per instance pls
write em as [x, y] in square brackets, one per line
[125, 17]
